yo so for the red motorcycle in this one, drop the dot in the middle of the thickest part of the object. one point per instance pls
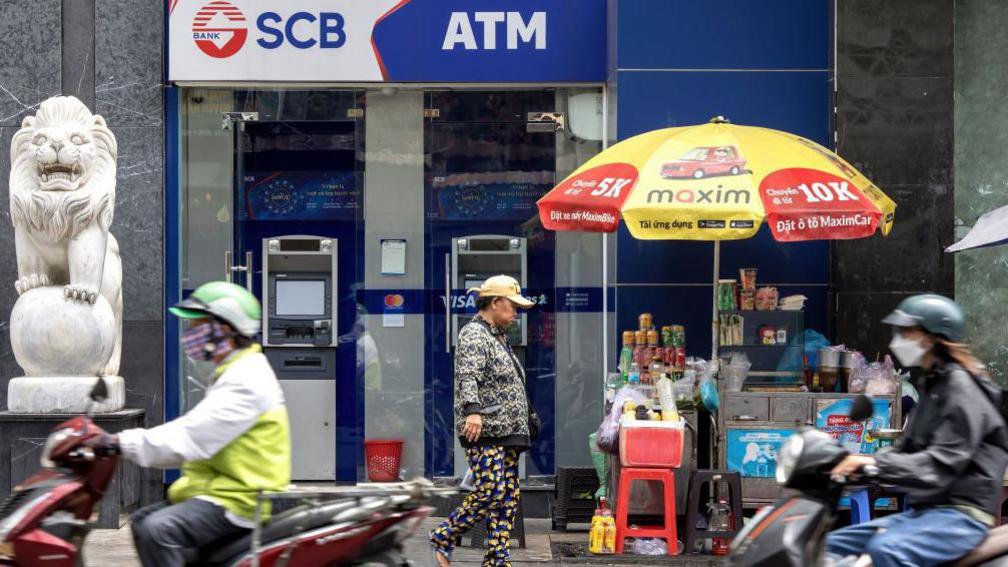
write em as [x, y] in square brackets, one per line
[45, 519]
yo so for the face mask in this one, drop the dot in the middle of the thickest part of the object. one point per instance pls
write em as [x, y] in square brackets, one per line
[204, 342]
[908, 352]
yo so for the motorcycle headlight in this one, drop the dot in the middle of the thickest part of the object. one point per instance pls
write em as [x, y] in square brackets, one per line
[55, 438]
[787, 458]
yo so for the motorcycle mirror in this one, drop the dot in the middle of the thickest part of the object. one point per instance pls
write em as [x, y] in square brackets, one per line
[100, 391]
[861, 408]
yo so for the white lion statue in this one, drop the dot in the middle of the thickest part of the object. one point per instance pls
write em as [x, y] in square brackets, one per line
[62, 196]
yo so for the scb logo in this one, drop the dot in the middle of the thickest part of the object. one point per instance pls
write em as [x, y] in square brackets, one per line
[331, 34]
[220, 31]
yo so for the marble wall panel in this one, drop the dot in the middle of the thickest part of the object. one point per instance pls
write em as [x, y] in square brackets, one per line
[981, 182]
[894, 38]
[138, 220]
[128, 57]
[894, 122]
[30, 42]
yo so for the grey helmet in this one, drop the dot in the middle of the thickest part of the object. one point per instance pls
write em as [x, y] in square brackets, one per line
[936, 314]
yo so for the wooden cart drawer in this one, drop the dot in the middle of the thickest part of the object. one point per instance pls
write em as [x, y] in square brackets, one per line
[747, 408]
[790, 410]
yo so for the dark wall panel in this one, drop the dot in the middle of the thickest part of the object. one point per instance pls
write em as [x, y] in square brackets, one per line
[895, 123]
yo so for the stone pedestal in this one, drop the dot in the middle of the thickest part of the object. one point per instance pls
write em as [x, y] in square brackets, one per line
[23, 435]
[55, 394]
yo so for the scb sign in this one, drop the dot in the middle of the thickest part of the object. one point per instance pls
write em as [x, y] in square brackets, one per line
[302, 30]
[386, 40]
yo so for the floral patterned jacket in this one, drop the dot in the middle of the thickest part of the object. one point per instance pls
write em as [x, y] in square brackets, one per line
[490, 381]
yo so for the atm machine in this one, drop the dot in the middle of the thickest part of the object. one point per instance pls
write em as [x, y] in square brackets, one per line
[473, 260]
[299, 339]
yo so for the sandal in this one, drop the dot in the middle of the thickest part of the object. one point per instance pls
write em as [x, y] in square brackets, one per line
[436, 550]
[437, 554]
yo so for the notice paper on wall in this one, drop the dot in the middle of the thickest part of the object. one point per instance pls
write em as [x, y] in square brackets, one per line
[393, 257]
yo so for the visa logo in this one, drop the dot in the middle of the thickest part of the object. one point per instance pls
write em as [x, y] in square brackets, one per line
[467, 301]
[461, 25]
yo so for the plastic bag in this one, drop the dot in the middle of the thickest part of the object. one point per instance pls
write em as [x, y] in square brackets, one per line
[607, 436]
[734, 371]
[601, 466]
[650, 546]
[882, 379]
[858, 375]
[793, 358]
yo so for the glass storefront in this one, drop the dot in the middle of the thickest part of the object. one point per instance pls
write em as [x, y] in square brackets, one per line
[422, 192]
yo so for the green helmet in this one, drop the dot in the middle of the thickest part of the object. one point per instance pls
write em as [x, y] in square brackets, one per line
[936, 314]
[226, 301]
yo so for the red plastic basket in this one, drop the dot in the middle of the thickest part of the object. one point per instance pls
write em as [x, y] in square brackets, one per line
[383, 457]
[651, 444]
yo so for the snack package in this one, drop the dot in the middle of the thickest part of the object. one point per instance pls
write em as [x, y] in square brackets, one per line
[747, 278]
[766, 299]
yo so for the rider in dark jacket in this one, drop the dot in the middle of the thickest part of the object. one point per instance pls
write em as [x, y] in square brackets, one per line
[952, 456]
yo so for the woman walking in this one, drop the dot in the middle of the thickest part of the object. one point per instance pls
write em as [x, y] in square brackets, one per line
[493, 419]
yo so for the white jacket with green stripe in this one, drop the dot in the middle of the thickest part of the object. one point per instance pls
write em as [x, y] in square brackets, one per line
[232, 445]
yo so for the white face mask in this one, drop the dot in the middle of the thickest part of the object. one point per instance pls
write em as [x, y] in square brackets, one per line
[908, 352]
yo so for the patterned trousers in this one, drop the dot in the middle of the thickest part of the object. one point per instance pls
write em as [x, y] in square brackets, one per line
[495, 472]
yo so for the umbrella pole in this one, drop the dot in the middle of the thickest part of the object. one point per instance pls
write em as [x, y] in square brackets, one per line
[715, 322]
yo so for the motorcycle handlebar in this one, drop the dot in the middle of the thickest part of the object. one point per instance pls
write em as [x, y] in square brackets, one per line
[868, 471]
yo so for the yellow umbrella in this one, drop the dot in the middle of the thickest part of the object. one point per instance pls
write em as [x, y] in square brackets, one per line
[719, 181]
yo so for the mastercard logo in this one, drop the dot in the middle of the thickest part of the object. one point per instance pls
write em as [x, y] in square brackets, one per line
[394, 300]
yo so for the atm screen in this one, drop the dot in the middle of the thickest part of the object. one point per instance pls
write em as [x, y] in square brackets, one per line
[300, 297]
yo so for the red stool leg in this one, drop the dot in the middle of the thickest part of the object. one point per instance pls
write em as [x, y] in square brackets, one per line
[672, 541]
[622, 504]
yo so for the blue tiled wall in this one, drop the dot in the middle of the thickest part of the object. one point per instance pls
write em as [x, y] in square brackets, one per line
[757, 63]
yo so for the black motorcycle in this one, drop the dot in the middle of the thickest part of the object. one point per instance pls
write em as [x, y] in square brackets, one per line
[792, 532]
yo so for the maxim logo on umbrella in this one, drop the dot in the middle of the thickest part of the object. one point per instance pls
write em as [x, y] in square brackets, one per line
[719, 196]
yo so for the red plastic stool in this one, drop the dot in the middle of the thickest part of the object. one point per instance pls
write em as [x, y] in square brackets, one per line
[668, 531]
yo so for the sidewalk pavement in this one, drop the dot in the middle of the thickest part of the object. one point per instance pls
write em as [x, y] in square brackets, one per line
[115, 547]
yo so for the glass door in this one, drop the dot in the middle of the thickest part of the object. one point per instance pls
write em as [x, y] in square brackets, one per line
[484, 172]
[264, 163]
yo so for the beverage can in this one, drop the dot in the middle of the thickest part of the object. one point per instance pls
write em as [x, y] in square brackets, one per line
[678, 335]
[652, 338]
[666, 336]
[646, 321]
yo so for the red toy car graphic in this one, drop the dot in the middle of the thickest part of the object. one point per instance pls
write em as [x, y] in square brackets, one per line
[701, 162]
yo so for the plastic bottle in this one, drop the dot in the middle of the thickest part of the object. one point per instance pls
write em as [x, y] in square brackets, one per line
[596, 536]
[668, 404]
[657, 368]
[626, 355]
[720, 520]
[608, 528]
[629, 410]
[633, 378]
[640, 354]
[641, 413]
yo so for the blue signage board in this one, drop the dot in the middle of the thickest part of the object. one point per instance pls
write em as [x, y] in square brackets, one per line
[832, 417]
[300, 195]
[753, 452]
[532, 41]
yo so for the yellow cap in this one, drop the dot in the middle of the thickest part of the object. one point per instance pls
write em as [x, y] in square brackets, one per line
[503, 286]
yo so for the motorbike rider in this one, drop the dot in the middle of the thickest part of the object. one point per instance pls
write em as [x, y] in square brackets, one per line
[234, 443]
[951, 458]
